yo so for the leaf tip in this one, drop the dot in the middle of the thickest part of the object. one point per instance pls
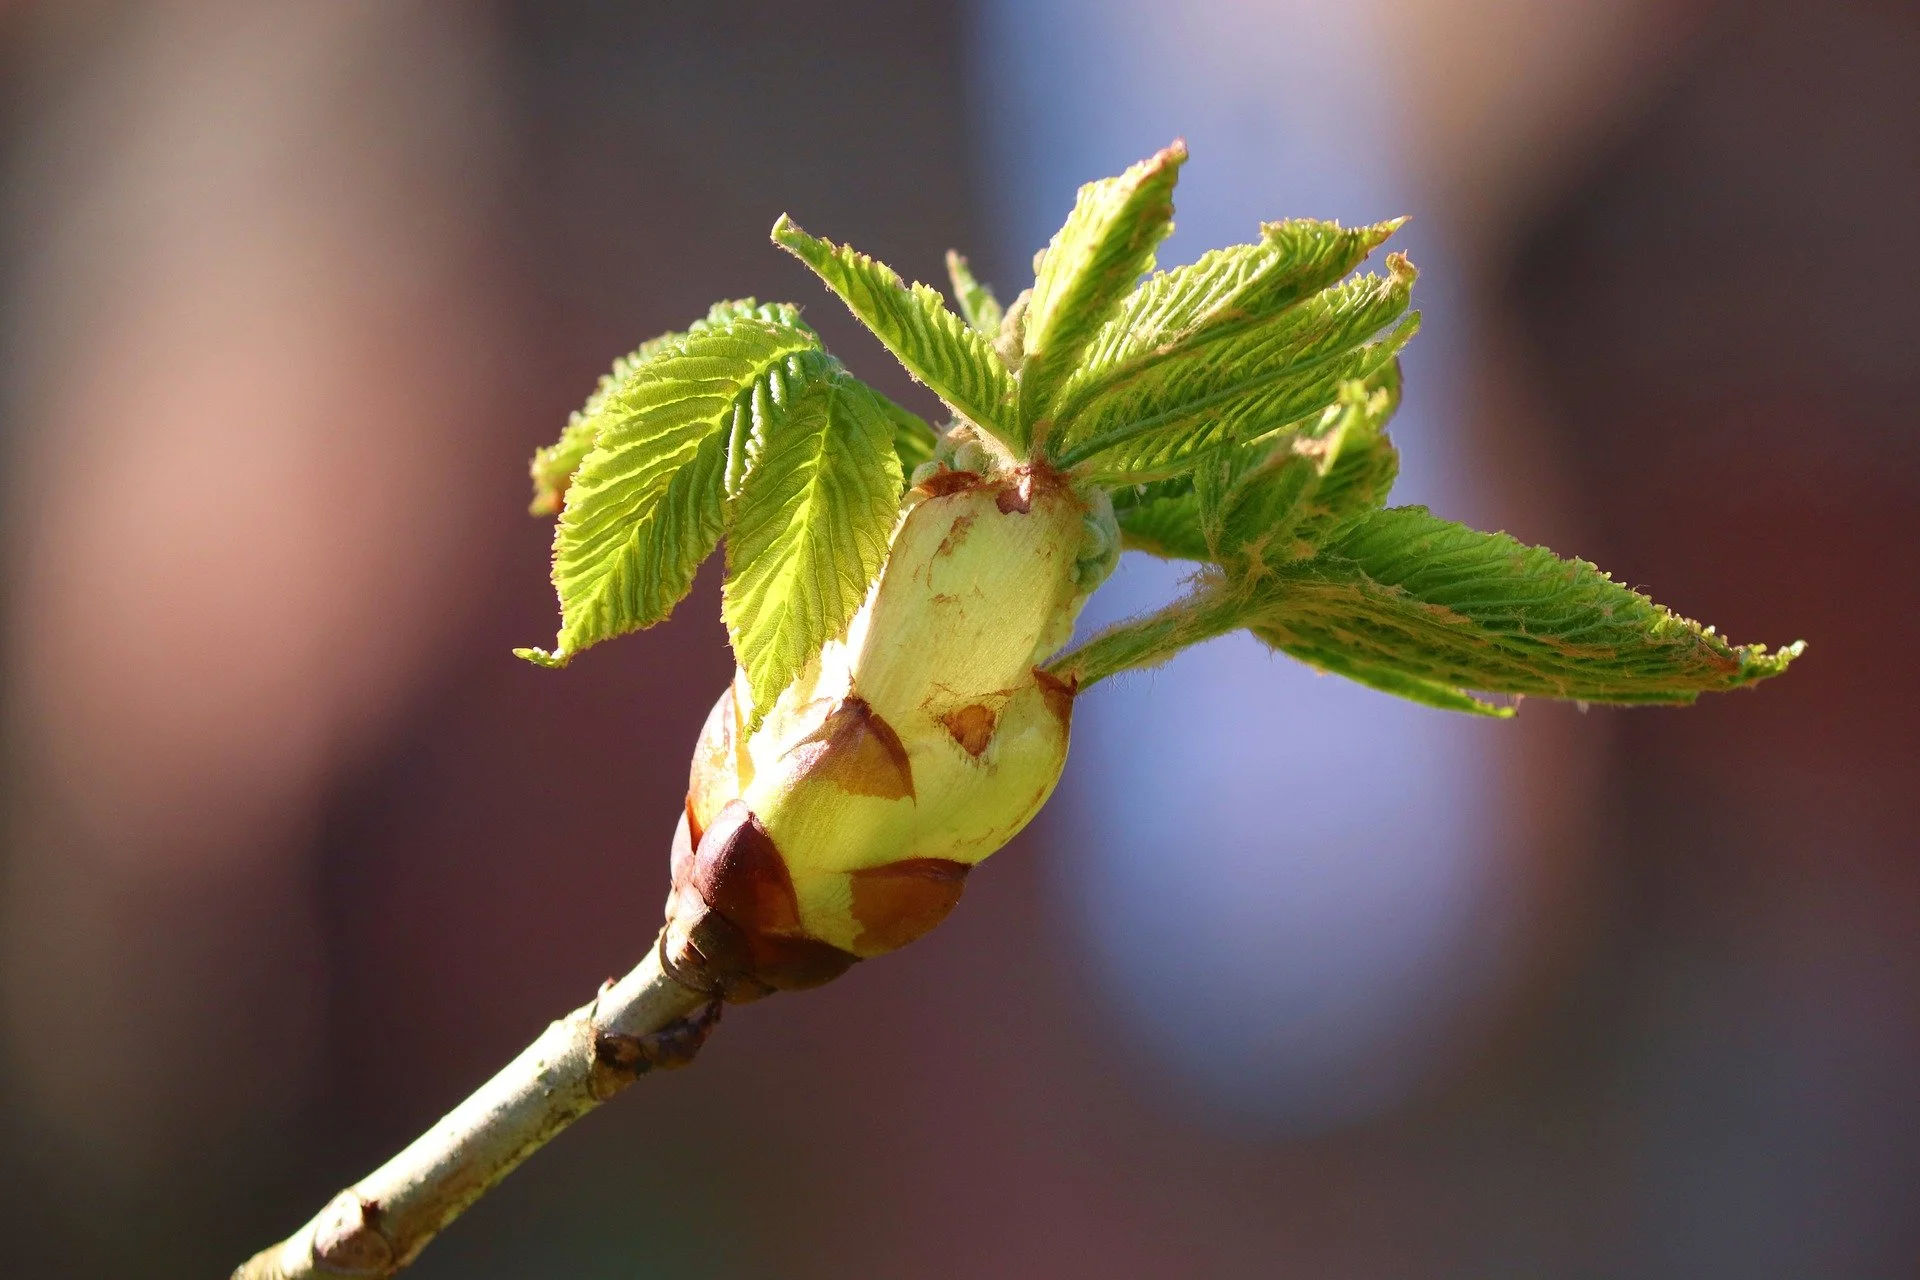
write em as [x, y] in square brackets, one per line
[787, 233]
[542, 658]
[1757, 664]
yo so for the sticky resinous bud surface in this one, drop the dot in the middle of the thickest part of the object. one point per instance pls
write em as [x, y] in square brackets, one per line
[845, 823]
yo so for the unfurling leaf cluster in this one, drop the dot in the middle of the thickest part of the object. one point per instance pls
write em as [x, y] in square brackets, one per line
[742, 426]
[1233, 410]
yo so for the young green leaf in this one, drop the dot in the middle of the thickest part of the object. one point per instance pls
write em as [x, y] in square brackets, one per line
[935, 345]
[646, 505]
[1277, 500]
[554, 466]
[1164, 521]
[1282, 405]
[1226, 291]
[808, 531]
[1408, 597]
[1093, 262]
[1216, 394]
[1010, 345]
[1428, 610]
[1386, 679]
[1305, 489]
[977, 303]
[913, 440]
[1249, 498]
[1363, 467]
[1213, 611]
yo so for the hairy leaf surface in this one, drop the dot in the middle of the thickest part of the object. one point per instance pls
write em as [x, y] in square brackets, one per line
[809, 529]
[1362, 470]
[1408, 597]
[1165, 522]
[913, 440]
[1430, 610]
[1225, 292]
[554, 466]
[1251, 497]
[1093, 261]
[646, 505]
[1388, 679]
[1304, 490]
[935, 345]
[1262, 377]
[978, 306]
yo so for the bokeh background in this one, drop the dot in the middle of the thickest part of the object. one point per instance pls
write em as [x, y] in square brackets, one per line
[1290, 980]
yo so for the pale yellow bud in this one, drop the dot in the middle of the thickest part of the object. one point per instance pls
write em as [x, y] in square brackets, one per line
[906, 753]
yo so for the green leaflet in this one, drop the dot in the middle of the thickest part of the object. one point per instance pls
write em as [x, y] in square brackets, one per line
[1254, 380]
[935, 345]
[646, 505]
[1388, 679]
[1426, 609]
[977, 303]
[913, 440]
[1266, 504]
[808, 530]
[1307, 488]
[1164, 521]
[1408, 597]
[553, 467]
[1226, 291]
[1093, 261]
[1247, 420]
[1248, 499]
[1363, 468]
[1010, 345]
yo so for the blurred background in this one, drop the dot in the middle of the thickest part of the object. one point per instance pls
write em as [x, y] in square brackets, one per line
[1291, 981]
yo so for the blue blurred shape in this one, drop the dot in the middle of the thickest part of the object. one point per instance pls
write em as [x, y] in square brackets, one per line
[1288, 881]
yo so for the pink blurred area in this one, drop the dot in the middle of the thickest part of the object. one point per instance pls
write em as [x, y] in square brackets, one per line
[295, 852]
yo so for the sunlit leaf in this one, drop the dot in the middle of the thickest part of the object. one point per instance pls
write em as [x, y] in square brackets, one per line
[553, 467]
[1164, 520]
[646, 506]
[809, 529]
[1093, 262]
[1220, 393]
[935, 345]
[978, 306]
[1414, 597]
[1226, 291]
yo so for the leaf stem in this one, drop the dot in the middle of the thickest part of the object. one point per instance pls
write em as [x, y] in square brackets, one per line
[1211, 610]
[641, 1022]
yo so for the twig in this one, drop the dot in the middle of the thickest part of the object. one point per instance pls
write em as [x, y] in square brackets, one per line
[644, 1021]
